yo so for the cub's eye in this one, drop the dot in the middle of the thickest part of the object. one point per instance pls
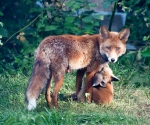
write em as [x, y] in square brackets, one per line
[108, 47]
[118, 48]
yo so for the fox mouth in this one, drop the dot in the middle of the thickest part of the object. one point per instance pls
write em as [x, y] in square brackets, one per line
[107, 59]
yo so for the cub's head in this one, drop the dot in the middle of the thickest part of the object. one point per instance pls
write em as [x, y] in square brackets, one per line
[113, 44]
[103, 77]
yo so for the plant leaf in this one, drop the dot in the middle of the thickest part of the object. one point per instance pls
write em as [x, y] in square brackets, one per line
[87, 19]
[1, 14]
[93, 5]
[138, 56]
[3, 32]
[69, 19]
[1, 43]
[40, 25]
[1, 24]
[52, 27]
[99, 17]
[10, 121]
[40, 120]
[146, 53]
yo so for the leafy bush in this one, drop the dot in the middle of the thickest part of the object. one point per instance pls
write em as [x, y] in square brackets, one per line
[26, 23]
[138, 21]
[72, 17]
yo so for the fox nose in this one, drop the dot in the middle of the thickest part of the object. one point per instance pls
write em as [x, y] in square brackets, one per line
[112, 60]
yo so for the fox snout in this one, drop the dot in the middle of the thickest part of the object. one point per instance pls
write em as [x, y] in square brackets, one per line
[106, 57]
[112, 60]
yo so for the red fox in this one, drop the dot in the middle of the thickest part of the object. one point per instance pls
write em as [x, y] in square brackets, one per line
[102, 91]
[56, 53]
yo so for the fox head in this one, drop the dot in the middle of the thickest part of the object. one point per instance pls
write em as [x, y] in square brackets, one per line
[104, 76]
[113, 44]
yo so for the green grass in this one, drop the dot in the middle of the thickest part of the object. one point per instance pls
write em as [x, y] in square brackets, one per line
[131, 104]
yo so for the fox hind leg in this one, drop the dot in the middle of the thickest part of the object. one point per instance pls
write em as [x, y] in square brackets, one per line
[47, 92]
[58, 85]
[89, 79]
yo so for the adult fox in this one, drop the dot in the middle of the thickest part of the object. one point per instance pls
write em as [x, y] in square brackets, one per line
[56, 53]
[102, 91]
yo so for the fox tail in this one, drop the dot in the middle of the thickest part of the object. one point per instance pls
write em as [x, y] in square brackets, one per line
[38, 80]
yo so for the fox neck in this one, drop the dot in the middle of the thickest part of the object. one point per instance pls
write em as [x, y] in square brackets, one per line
[102, 57]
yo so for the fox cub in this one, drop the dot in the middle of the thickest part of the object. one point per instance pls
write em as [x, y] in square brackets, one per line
[102, 91]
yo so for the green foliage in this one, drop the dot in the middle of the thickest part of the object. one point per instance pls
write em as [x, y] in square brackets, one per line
[59, 17]
[143, 54]
[132, 70]
[58, 118]
[138, 19]
[71, 17]
[2, 34]
[106, 3]
[141, 57]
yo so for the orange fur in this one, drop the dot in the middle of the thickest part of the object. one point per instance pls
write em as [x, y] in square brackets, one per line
[103, 93]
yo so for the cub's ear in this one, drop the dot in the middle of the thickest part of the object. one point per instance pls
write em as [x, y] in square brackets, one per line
[114, 78]
[124, 34]
[104, 32]
[97, 79]
[101, 84]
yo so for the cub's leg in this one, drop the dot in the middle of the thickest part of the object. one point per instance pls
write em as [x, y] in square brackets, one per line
[89, 80]
[47, 93]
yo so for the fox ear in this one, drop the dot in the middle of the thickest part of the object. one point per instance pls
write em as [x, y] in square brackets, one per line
[124, 34]
[96, 80]
[104, 32]
[114, 78]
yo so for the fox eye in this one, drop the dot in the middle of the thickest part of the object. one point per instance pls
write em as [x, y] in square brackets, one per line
[118, 48]
[108, 47]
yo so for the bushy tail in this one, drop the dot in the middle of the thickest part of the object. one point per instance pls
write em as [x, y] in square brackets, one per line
[81, 96]
[40, 75]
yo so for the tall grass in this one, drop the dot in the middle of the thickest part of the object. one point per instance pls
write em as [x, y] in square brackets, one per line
[131, 104]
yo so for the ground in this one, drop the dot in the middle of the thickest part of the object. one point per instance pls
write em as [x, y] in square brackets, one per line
[131, 104]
